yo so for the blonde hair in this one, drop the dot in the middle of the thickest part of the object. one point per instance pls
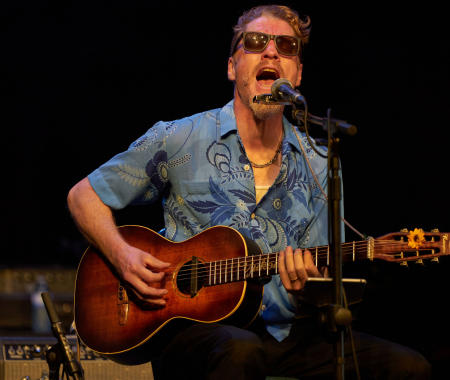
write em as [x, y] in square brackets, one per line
[301, 28]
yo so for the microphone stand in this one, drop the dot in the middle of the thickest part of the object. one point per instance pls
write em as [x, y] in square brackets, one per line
[334, 221]
[60, 353]
[336, 316]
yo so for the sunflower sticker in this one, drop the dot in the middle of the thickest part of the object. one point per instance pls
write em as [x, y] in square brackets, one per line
[416, 238]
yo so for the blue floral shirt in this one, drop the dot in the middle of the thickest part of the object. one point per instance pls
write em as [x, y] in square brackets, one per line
[200, 166]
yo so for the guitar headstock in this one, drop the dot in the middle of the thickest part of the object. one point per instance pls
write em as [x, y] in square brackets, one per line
[415, 246]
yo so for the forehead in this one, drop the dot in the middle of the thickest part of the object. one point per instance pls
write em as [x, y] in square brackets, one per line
[270, 26]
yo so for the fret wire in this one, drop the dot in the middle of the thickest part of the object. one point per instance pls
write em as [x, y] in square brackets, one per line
[259, 273]
[328, 255]
[210, 274]
[226, 262]
[316, 256]
[238, 267]
[353, 251]
[267, 265]
[245, 267]
[231, 269]
[215, 270]
[252, 268]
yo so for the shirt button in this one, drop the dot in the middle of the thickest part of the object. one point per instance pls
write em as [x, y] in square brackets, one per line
[263, 307]
[253, 215]
[247, 167]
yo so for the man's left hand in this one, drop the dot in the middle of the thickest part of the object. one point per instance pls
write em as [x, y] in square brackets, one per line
[295, 267]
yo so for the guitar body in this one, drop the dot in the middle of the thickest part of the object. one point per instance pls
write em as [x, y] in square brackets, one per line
[128, 331]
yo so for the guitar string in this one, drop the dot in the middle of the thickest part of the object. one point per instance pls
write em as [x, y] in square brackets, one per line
[246, 261]
[236, 267]
[220, 275]
[358, 246]
[322, 252]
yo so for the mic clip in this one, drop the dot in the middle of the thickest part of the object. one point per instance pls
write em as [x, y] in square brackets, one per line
[268, 99]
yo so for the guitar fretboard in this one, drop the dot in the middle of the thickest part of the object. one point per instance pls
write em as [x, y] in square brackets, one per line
[242, 268]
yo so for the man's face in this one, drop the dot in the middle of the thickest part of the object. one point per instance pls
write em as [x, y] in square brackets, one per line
[254, 73]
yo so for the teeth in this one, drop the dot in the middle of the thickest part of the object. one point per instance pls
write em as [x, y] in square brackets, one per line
[271, 70]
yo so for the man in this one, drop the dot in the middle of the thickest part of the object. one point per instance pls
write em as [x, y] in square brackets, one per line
[246, 167]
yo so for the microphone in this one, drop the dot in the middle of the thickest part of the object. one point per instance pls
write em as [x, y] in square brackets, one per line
[282, 89]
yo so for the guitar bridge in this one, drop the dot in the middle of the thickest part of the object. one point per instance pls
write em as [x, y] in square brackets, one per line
[122, 304]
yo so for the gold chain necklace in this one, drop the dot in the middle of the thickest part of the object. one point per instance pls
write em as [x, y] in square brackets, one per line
[273, 159]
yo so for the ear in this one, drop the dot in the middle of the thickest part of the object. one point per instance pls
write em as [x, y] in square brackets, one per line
[299, 75]
[231, 69]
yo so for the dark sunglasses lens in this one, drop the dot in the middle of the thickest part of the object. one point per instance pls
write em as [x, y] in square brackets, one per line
[255, 41]
[287, 45]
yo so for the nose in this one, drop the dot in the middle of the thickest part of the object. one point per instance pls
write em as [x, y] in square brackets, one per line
[271, 51]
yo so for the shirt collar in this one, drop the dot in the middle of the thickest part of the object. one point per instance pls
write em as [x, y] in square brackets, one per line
[228, 124]
[289, 134]
[227, 119]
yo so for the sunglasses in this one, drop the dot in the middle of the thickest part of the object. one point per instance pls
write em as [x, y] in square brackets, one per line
[256, 42]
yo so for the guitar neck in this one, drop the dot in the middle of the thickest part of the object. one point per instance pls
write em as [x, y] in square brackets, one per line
[243, 268]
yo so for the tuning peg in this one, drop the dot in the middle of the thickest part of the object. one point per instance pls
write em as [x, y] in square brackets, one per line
[404, 264]
[404, 230]
[435, 260]
[435, 230]
[420, 261]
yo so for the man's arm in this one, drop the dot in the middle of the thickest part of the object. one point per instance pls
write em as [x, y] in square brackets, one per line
[95, 220]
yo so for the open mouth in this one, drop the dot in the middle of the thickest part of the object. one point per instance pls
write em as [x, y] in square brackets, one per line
[267, 76]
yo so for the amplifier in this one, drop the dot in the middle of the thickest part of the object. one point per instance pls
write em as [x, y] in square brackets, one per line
[24, 356]
[17, 286]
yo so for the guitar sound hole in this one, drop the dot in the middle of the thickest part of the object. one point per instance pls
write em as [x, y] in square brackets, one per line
[184, 277]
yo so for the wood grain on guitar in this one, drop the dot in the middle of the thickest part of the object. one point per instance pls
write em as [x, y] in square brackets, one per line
[210, 280]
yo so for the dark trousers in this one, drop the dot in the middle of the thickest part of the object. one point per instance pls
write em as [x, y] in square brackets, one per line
[214, 351]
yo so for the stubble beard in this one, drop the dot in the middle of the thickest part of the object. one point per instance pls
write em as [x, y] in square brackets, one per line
[261, 112]
[264, 112]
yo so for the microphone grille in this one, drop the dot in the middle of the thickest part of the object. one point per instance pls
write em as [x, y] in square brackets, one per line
[276, 85]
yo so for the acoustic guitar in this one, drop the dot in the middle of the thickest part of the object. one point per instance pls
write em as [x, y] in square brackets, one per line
[213, 278]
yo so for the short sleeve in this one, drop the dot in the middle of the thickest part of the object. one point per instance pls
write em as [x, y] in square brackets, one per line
[136, 176]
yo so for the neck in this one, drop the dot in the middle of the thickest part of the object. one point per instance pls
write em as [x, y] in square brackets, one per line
[257, 134]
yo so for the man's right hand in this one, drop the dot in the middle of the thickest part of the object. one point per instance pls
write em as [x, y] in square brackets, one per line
[95, 221]
[140, 269]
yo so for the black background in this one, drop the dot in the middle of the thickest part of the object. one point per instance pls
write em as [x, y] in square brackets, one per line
[82, 80]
